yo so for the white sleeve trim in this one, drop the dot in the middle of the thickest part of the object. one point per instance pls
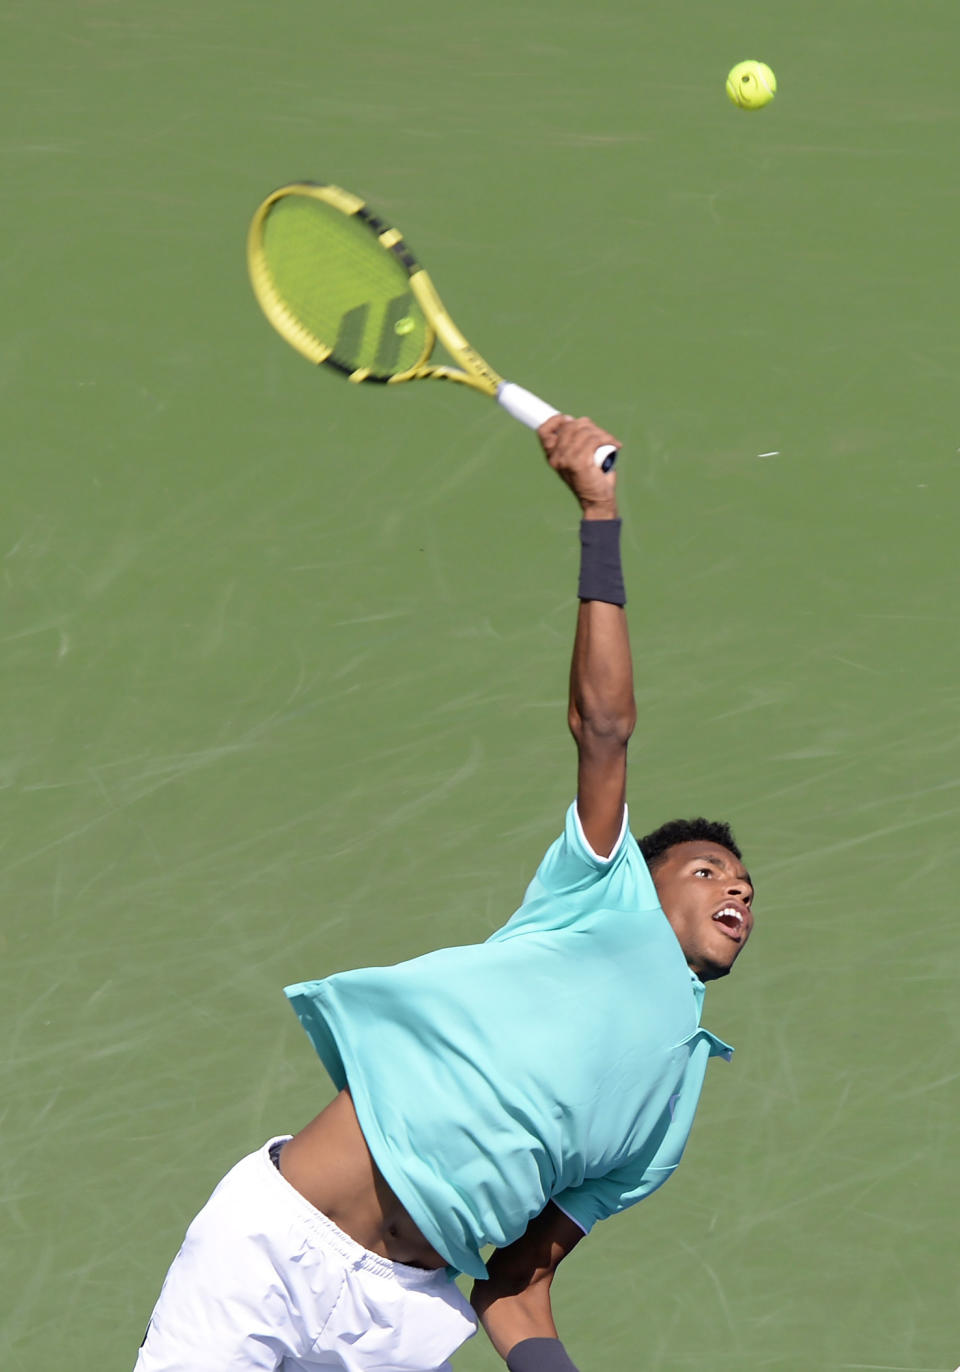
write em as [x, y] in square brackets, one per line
[605, 861]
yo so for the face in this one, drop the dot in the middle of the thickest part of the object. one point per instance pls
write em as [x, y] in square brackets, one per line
[706, 895]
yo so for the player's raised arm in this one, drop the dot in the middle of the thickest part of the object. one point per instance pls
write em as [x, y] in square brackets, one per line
[602, 706]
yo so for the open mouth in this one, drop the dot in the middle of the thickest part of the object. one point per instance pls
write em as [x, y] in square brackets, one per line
[731, 921]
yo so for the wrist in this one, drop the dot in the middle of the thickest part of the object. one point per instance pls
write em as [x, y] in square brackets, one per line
[606, 509]
[601, 575]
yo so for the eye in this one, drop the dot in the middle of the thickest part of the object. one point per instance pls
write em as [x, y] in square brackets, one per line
[703, 872]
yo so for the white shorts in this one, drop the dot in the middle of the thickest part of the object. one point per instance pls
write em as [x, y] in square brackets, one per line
[264, 1280]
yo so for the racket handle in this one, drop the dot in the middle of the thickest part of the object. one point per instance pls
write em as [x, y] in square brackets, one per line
[533, 412]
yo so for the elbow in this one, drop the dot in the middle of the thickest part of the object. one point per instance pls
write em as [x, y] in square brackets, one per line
[609, 729]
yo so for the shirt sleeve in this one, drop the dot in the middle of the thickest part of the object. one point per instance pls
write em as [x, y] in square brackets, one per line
[573, 881]
[570, 862]
[600, 1197]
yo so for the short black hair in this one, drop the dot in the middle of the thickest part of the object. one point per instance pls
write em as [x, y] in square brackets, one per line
[654, 845]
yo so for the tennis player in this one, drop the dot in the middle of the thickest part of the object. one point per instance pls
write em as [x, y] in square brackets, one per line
[504, 1095]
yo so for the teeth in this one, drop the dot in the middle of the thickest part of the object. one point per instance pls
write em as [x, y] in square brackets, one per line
[729, 911]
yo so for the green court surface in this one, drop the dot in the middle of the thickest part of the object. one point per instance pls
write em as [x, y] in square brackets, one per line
[284, 660]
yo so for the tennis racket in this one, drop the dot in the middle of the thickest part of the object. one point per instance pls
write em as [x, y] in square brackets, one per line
[343, 288]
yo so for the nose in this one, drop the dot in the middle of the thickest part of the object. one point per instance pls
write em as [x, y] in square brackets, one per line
[741, 888]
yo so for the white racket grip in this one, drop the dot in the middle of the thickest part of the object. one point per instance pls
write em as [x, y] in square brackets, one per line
[529, 409]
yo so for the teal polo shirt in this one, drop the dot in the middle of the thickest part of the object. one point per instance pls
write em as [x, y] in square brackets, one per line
[560, 1060]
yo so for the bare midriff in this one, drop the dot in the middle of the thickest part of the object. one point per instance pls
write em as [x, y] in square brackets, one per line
[329, 1163]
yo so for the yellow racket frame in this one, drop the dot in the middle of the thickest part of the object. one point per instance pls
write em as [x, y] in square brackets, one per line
[473, 370]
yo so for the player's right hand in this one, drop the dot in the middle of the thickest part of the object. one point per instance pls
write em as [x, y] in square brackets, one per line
[570, 445]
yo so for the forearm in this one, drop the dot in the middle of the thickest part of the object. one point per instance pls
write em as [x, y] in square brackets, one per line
[510, 1317]
[602, 709]
[601, 675]
[513, 1303]
[523, 1333]
[602, 704]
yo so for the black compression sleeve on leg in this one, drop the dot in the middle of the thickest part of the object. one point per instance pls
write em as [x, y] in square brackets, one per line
[539, 1355]
[601, 576]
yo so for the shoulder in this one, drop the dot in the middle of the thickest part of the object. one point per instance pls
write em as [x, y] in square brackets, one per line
[571, 859]
[622, 877]
[573, 883]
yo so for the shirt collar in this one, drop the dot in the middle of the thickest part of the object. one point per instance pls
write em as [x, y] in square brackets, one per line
[718, 1048]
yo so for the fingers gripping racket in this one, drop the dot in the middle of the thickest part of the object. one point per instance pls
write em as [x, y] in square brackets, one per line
[343, 288]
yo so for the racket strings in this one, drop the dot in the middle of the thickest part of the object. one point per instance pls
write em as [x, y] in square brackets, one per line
[336, 282]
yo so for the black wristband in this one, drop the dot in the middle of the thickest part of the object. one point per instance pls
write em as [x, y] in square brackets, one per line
[539, 1355]
[601, 576]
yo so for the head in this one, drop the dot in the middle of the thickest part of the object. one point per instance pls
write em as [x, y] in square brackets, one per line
[704, 889]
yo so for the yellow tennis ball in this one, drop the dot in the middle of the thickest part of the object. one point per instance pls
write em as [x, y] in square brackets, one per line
[751, 85]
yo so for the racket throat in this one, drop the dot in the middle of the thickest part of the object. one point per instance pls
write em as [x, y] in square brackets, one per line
[480, 374]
